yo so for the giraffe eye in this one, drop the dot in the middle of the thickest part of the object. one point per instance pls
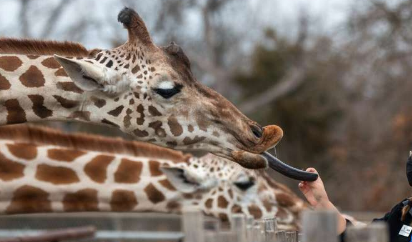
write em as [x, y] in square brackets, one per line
[168, 92]
[244, 185]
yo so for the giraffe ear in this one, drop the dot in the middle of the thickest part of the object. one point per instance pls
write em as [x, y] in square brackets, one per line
[181, 179]
[93, 77]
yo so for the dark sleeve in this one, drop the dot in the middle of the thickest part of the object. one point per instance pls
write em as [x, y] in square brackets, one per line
[342, 235]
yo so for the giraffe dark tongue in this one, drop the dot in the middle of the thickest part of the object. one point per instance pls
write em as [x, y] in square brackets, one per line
[288, 170]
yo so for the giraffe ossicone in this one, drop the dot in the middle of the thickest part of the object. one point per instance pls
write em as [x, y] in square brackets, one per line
[142, 89]
[45, 170]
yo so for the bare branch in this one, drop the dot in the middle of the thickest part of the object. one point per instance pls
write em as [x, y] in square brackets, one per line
[25, 32]
[292, 80]
[52, 20]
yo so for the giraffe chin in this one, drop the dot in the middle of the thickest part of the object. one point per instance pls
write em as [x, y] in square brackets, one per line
[287, 170]
[249, 160]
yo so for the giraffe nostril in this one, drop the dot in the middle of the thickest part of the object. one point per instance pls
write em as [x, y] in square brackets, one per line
[257, 131]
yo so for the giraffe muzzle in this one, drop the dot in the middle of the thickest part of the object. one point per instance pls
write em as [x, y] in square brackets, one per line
[288, 170]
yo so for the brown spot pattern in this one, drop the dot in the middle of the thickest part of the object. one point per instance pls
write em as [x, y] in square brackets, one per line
[97, 167]
[128, 171]
[66, 103]
[157, 126]
[82, 200]
[175, 127]
[56, 174]
[15, 113]
[62, 154]
[32, 77]
[51, 63]
[140, 133]
[166, 183]
[4, 83]
[9, 169]
[38, 106]
[189, 141]
[255, 211]
[173, 205]
[285, 200]
[236, 209]
[154, 112]
[140, 110]
[10, 63]
[190, 128]
[123, 200]
[223, 217]
[99, 102]
[154, 167]
[222, 202]
[115, 112]
[127, 118]
[61, 72]
[209, 203]
[29, 199]
[154, 195]
[23, 151]
[69, 87]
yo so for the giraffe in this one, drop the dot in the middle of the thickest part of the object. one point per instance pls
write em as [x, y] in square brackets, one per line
[44, 170]
[142, 89]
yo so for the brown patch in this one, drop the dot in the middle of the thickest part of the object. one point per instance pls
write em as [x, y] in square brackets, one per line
[10, 170]
[157, 126]
[285, 200]
[223, 217]
[123, 200]
[236, 209]
[209, 203]
[23, 150]
[267, 205]
[166, 183]
[4, 83]
[51, 63]
[128, 171]
[56, 174]
[222, 202]
[135, 69]
[33, 57]
[38, 106]
[47, 136]
[154, 195]
[66, 103]
[99, 102]
[189, 141]
[173, 205]
[202, 123]
[281, 213]
[15, 113]
[97, 167]
[10, 63]
[175, 127]
[69, 87]
[29, 199]
[81, 115]
[62, 154]
[41, 47]
[61, 72]
[115, 112]
[140, 133]
[154, 168]
[140, 110]
[154, 112]
[255, 211]
[216, 134]
[82, 200]
[127, 118]
[32, 77]
[230, 193]
[190, 128]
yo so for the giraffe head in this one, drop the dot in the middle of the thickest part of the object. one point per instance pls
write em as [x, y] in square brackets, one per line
[153, 94]
[222, 188]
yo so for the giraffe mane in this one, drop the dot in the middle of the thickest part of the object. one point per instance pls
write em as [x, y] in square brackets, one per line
[42, 47]
[49, 136]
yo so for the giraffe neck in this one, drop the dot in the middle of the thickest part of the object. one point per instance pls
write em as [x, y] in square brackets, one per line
[36, 88]
[36, 179]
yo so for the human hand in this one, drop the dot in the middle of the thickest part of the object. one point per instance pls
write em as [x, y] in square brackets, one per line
[315, 192]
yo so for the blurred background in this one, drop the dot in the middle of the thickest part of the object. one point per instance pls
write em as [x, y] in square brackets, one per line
[333, 74]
